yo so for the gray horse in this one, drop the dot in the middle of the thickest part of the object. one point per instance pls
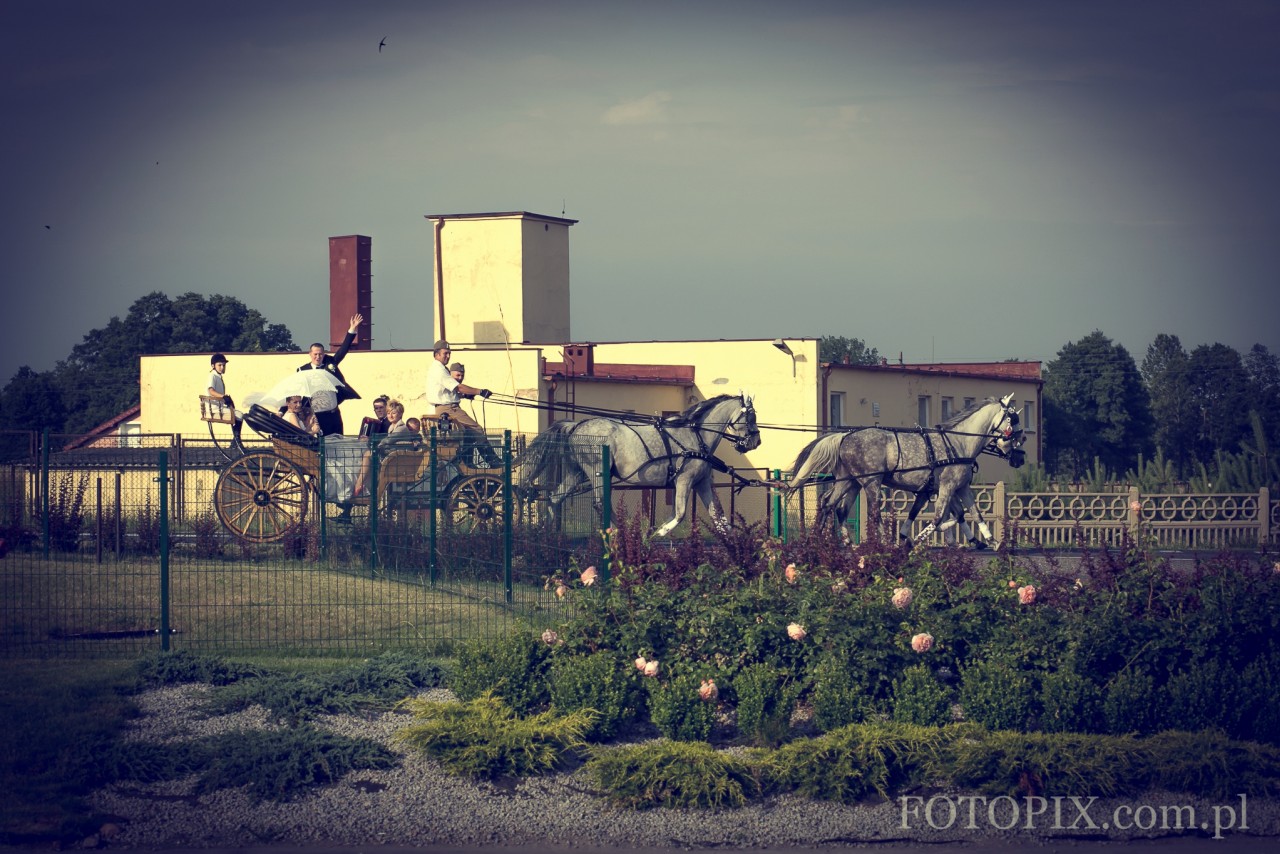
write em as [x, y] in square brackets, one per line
[929, 463]
[674, 452]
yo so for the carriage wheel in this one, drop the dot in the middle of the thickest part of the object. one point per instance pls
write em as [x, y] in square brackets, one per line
[261, 497]
[475, 503]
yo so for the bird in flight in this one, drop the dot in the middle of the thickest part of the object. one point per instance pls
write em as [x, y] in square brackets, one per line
[382, 44]
[49, 227]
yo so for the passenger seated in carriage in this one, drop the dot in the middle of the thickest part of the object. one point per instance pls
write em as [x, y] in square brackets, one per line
[398, 434]
[297, 412]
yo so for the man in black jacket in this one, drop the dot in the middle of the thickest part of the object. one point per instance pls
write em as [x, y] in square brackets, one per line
[331, 418]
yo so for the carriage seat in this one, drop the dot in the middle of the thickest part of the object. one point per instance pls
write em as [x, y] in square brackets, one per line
[271, 424]
[442, 423]
[215, 410]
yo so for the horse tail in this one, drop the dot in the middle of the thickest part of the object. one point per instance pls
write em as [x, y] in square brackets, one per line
[820, 455]
[545, 449]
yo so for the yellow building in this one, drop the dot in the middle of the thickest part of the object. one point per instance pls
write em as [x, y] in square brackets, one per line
[501, 297]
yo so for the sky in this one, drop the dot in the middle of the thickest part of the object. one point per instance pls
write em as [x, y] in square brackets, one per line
[946, 181]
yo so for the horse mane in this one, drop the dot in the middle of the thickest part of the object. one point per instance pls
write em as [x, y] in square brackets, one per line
[965, 413]
[695, 413]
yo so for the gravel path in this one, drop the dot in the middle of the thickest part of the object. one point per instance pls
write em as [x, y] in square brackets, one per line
[418, 804]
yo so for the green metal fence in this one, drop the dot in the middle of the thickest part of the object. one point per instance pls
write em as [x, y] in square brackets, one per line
[112, 550]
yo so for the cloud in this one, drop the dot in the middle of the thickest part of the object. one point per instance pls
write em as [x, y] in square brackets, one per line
[649, 110]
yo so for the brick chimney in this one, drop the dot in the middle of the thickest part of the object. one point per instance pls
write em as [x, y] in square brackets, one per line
[350, 289]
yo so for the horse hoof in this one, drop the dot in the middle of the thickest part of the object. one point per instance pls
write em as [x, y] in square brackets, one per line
[980, 546]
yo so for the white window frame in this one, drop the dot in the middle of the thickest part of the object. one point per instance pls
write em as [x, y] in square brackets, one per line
[948, 407]
[837, 409]
[924, 410]
[1029, 416]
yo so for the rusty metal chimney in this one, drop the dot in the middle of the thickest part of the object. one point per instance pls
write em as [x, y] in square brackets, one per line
[350, 289]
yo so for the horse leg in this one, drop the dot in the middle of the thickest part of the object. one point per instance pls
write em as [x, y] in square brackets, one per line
[969, 501]
[707, 495]
[943, 514]
[922, 498]
[573, 478]
[682, 504]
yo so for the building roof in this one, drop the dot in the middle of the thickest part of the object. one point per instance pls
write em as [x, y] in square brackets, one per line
[106, 427]
[503, 215]
[606, 372]
[1020, 371]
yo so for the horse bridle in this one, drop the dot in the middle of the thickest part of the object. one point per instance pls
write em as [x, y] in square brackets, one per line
[1014, 435]
[730, 431]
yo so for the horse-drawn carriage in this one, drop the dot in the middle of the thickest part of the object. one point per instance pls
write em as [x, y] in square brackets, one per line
[264, 494]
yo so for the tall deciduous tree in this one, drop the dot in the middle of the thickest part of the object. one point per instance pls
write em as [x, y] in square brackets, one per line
[851, 351]
[1166, 372]
[1219, 387]
[99, 379]
[1095, 406]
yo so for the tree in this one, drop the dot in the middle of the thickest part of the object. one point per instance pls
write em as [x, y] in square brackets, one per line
[850, 351]
[31, 401]
[1219, 398]
[1166, 372]
[99, 379]
[1263, 368]
[1095, 406]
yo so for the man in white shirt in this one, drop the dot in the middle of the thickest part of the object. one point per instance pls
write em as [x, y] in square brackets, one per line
[444, 392]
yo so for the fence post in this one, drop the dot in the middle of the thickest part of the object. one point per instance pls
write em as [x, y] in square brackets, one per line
[999, 511]
[508, 555]
[775, 507]
[374, 464]
[1264, 517]
[97, 537]
[44, 488]
[606, 505]
[861, 508]
[857, 517]
[433, 508]
[1135, 511]
[324, 528]
[163, 479]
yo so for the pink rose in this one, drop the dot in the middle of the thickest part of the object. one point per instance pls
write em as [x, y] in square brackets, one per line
[796, 631]
[1026, 595]
[589, 576]
[1012, 584]
[862, 562]
[1135, 506]
[922, 642]
[708, 691]
[901, 597]
[641, 663]
[791, 572]
[561, 590]
[550, 637]
[651, 669]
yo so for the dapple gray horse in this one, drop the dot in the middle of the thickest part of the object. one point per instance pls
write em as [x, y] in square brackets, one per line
[674, 452]
[926, 462]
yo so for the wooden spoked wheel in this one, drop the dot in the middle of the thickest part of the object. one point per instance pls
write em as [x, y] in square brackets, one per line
[261, 497]
[475, 504]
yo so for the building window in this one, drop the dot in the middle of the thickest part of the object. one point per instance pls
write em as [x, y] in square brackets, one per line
[948, 407]
[835, 412]
[1029, 416]
[968, 401]
[131, 435]
[923, 416]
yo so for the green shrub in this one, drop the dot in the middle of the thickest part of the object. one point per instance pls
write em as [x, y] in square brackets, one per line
[513, 668]
[676, 774]
[1200, 697]
[66, 512]
[1070, 703]
[1129, 704]
[839, 698]
[996, 695]
[766, 697]
[856, 761]
[598, 682]
[180, 666]
[208, 535]
[918, 698]
[1051, 764]
[1259, 713]
[678, 712]
[486, 739]
[372, 685]
[280, 764]
[1211, 764]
